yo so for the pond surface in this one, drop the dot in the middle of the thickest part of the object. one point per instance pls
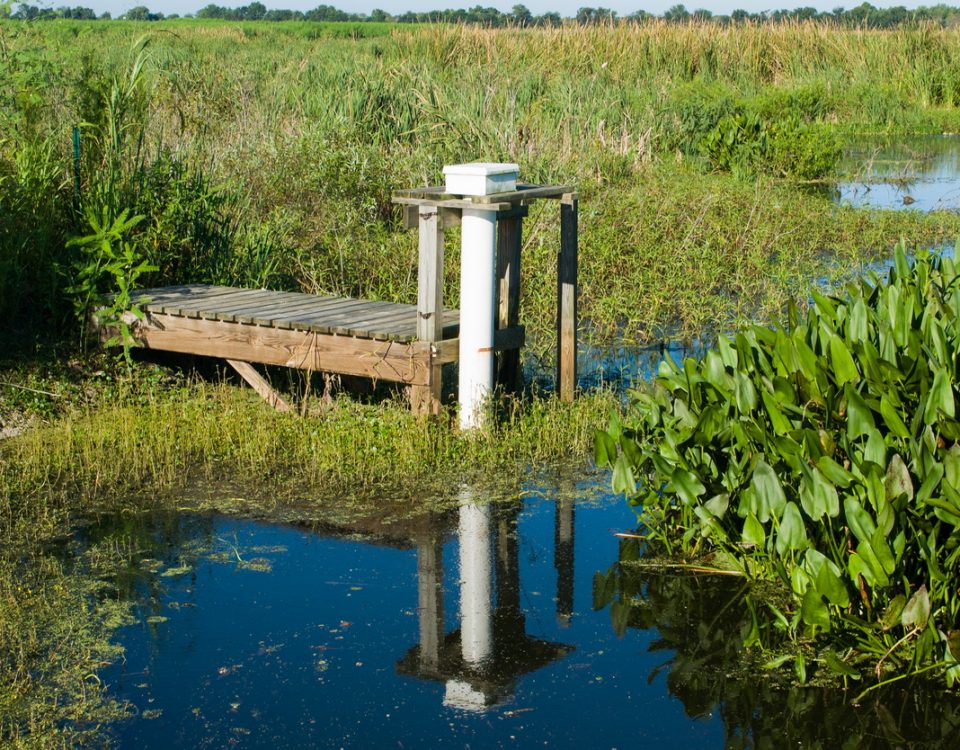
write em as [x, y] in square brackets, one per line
[475, 627]
[917, 173]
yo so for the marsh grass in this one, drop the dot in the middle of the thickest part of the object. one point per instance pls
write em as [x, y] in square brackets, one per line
[102, 456]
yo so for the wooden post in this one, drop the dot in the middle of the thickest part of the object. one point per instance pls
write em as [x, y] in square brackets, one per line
[425, 399]
[509, 241]
[567, 299]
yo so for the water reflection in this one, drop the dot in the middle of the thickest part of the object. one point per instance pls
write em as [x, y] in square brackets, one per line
[701, 623]
[917, 173]
[480, 663]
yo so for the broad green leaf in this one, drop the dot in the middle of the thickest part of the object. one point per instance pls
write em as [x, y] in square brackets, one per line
[623, 481]
[857, 322]
[781, 425]
[717, 505]
[604, 449]
[857, 567]
[844, 368]
[858, 519]
[897, 481]
[859, 416]
[834, 472]
[917, 610]
[876, 450]
[891, 615]
[829, 585]
[753, 533]
[818, 496]
[930, 481]
[869, 556]
[792, 534]
[838, 666]
[881, 549]
[813, 610]
[939, 399]
[746, 394]
[951, 466]
[687, 486]
[769, 493]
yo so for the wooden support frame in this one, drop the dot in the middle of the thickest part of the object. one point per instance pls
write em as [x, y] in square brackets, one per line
[567, 299]
[425, 398]
[509, 243]
[256, 381]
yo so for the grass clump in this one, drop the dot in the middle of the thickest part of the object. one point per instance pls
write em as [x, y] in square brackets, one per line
[100, 456]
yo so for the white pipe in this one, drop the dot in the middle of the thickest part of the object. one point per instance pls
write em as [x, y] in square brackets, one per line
[477, 259]
[476, 581]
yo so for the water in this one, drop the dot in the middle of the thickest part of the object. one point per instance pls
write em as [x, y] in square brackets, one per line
[474, 627]
[920, 173]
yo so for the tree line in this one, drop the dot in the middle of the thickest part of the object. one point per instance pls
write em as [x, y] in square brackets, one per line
[864, 15]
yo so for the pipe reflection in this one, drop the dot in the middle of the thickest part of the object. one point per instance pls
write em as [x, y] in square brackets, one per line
[480, 662]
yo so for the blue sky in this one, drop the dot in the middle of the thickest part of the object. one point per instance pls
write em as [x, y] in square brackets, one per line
[564, 7]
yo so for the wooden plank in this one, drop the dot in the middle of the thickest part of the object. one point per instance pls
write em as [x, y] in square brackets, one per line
[202, 293]
[267, 315]
[259, 384]
[459, 203]
[315, 311]
[206, 306]
[273, 300]
[526, 193]
[345, 321]
[567, 301]
[509, 240]
[381, 360]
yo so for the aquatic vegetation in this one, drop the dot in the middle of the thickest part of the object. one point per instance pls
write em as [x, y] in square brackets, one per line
[824, 455]
[702, 623]
[55, 633]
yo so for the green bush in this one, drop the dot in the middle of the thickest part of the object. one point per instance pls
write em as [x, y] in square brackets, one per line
[824, 455]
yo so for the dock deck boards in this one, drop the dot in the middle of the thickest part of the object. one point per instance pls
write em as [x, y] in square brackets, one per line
[380, 321]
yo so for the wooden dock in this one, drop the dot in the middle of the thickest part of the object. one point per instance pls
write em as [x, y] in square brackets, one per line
[403, 343]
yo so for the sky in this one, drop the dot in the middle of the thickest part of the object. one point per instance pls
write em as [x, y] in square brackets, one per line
[563, 7]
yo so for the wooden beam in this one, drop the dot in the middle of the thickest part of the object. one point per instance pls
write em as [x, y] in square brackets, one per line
[259, 384]
[509, 240]
[381, 360]
[426, 399]
[567, 300]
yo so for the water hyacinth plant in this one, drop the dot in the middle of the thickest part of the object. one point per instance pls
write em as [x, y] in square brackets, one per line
[825, 455]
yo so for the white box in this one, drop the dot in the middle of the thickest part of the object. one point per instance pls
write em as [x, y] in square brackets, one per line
[480, 178]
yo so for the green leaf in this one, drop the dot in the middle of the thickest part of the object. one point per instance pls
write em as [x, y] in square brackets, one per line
[718, 504]
[781, 425]
[686, 485]
[813, 610]
[939, 399]
[951, 466]
[844, 368]
[753, 533]
[818, 496]
[623, 481]
[768, 490]
[604, 449]
[917, 610]
[746, 394]
[859, 416]
[897, 481]
[834, 472]
[830, 585]
[792, 534]
[838, 666]
[891, 615]
[859, 521]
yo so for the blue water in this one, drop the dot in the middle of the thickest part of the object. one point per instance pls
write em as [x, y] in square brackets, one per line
[308, 654]
[920, 173]
[335, 641]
